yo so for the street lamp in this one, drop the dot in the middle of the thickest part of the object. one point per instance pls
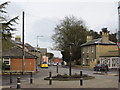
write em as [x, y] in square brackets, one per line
[119, 36]
[37, 51]
[37, 40]
[70, 45]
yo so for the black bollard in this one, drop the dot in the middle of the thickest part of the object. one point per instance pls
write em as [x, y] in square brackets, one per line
[31, 79]
[81, 78]
[18, 83]
[57, 67]
[10, 77]
[50, 78]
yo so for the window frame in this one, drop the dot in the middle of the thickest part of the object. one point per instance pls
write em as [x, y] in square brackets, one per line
[6, 59]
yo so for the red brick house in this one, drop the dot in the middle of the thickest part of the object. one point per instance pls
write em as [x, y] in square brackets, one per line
[13, 59]
[57, 60]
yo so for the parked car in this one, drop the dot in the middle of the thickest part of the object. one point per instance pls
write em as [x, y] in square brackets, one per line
[101, 67]
[55, 64]
[44, 65]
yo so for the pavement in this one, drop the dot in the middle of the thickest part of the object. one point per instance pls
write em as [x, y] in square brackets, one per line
[109, 80]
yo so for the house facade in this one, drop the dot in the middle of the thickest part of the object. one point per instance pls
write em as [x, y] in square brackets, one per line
[28, 48]
[57, 60]
[39, 52]
[111, 61]
[93, 51]
[13, 59]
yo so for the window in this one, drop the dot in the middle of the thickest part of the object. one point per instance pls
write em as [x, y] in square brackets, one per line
[87, 55]
[92, 59]
[92, 49]
[87, 49]
[83, 61]
[115, 62]
[7, 61]
[83, 52]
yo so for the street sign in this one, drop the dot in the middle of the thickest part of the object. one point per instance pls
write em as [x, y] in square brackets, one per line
[118, 44]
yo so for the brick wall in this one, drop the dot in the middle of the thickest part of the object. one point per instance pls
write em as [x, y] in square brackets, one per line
[16, 65]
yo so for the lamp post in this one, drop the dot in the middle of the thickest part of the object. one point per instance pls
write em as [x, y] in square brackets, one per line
[37, 40]
[37, 51]
[70, 45]
[119, 37]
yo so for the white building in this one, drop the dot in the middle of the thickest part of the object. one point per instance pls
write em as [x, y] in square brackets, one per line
[112, 62]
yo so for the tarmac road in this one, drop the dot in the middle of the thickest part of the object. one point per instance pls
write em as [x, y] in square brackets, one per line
[101, 81]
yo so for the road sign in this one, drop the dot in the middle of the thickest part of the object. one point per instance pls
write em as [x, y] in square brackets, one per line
[118, 44]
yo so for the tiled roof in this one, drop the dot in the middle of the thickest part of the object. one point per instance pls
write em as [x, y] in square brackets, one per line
[29, 47]
[16, 42]
[96, 42]
[16, 52]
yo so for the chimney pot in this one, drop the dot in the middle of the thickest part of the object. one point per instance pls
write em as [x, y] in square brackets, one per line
[18, 38]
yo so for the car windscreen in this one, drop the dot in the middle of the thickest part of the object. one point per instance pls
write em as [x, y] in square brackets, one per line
[44, 63]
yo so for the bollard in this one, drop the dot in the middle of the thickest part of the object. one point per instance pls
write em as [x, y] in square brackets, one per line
[81, 78]
[10, 77]
[22, 73]
[57, 67]
[50, 78]
[31, 79]
[18, 83]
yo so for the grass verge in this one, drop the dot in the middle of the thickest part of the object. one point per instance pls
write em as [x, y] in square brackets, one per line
[66, 77]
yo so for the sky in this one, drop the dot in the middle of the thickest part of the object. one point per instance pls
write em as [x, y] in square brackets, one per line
[41, 17]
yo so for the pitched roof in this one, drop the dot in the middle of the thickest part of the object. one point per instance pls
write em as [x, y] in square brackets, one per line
[97, 41]
[29, 47]
[16, 42]
[16, 52]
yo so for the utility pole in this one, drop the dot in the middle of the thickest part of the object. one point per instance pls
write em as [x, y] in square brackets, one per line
[23, 58]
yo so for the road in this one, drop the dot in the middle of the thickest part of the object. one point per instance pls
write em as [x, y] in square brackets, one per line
[100, 81]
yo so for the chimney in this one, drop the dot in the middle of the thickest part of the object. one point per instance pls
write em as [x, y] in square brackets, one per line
[18, 38]
[89, 38]
[105, 37]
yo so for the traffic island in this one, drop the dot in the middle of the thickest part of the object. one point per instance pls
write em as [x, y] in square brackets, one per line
[100, 73]
[66, 77]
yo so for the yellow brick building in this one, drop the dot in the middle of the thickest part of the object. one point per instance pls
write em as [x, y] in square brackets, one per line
[95, 51]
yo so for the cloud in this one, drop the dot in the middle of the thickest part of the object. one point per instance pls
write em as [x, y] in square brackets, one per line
[62, 0]
[42, 16]
[41, 27]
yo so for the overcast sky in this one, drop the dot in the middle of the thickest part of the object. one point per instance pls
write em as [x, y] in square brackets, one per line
[41, 17]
